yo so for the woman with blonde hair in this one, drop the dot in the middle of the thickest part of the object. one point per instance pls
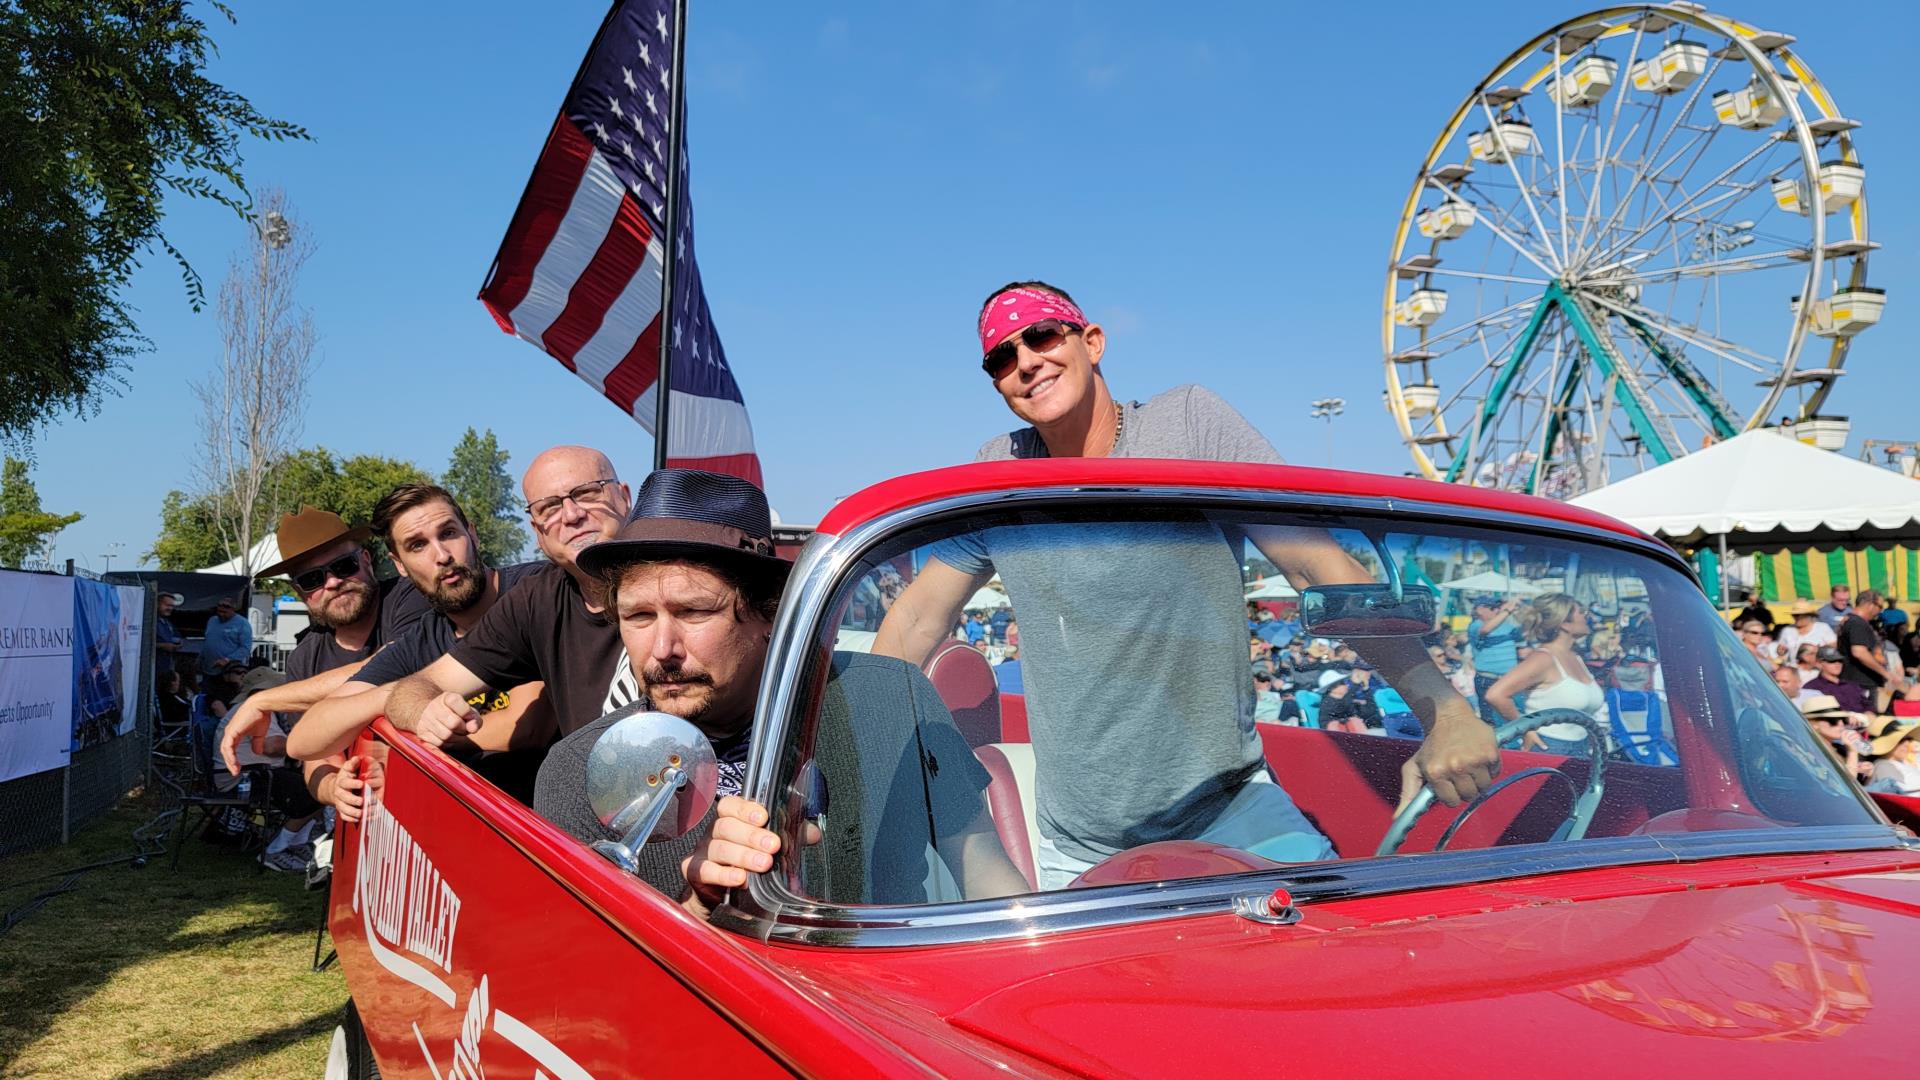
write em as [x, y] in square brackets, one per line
[1554, 676]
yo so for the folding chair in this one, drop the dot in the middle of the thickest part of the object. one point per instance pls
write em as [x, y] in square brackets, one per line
[1639, 727]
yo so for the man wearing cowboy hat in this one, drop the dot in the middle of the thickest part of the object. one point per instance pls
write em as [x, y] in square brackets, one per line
[350, 613]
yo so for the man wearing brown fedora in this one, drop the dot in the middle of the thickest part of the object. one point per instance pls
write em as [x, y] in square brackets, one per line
[351, 614]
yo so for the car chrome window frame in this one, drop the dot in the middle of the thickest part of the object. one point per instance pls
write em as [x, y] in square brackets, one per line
[766, 909]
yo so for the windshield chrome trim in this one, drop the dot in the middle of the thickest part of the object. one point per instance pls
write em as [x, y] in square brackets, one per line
[767, 909]
[797, 921]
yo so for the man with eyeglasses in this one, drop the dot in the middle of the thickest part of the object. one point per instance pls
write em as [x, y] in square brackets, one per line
[549, 628]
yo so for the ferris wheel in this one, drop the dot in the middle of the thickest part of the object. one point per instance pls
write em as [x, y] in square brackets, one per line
[1644, 231]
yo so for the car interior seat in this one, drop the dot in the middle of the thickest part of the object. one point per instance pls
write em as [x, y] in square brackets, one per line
[965, 682]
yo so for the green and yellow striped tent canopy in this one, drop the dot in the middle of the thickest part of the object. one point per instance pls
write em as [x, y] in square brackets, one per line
[1811, 573]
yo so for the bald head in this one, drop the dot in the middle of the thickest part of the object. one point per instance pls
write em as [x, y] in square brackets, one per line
[574, 498]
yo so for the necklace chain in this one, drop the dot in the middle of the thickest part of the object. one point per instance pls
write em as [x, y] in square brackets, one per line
[1119, 425]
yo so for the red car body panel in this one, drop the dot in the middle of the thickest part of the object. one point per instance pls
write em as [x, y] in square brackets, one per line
[917, 488]
[472, 933]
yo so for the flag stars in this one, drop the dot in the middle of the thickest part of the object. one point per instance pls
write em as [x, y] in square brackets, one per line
[647, 167]
[600, 130]
[626, 76]
[613, 103]
[651, 106]
[660, 24]
[646, 59]
[639, 127]
[626, 148]
[677, 328]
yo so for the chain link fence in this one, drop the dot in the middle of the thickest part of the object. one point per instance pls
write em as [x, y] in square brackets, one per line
[47, 808]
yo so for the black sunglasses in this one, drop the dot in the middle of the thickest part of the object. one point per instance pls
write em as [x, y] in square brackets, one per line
[1039, 337]
[343, 568]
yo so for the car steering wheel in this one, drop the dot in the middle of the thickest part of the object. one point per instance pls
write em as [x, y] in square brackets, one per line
[1588, 801]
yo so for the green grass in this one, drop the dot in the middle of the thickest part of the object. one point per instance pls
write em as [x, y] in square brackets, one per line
[140, 974]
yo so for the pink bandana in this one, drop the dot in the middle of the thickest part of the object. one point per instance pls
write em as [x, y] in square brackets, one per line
[1016, 309]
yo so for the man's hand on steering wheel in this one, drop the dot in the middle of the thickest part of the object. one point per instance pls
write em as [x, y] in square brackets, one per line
[1459, 758]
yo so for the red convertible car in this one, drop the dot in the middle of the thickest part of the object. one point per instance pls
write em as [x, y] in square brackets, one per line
[1673, 875]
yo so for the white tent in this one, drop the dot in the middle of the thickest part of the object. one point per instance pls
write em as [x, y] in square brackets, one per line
[1494, 582]
[988, 598]
[1763, 482]
[265, 553]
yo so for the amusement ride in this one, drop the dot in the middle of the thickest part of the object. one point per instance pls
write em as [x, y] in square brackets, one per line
[1644, 231]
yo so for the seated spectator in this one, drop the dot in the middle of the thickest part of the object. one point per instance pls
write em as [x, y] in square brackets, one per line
[175, 707]
[1266, 700]
[1852, 696]
[1341, 709]
[1896, 765]
[1007, 672]
[1807, 629]
[1787, 678]
[1805, 661]
[286, 785]
[1755, 611]
[1753, 635]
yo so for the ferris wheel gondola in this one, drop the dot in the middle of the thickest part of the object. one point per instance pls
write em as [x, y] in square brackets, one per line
[1644, 231]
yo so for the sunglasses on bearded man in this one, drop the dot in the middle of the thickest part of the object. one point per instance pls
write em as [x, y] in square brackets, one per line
[344, 567]
[1043, 336]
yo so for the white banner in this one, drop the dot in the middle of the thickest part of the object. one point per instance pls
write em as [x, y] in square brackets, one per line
[133, 643]
[36, 672]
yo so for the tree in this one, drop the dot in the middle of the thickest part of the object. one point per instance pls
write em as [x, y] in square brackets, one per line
[105, 111]
[26, 531]
[252, 405]
[190, 538]
[477, 477]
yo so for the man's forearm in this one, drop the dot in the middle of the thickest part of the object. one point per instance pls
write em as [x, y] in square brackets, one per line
[406, 699]
[330, 726]
[298, 697]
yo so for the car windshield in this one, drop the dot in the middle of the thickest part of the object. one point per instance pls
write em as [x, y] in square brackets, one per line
[1032, 700]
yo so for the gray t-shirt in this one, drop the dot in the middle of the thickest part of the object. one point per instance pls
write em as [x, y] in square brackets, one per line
[1108, 690]
[1185, 422]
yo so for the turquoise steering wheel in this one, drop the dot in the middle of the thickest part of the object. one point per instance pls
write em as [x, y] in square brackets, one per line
[1584, 805]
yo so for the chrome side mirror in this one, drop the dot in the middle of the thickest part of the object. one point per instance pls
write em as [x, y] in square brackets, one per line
[650, 776]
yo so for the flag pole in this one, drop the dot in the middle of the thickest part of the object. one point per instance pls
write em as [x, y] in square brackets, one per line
[676, 143]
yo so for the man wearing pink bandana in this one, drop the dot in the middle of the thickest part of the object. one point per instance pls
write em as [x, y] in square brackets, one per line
[1043, 356]
[1094, 799]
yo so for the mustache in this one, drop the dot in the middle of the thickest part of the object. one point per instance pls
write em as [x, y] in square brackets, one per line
[659, 673]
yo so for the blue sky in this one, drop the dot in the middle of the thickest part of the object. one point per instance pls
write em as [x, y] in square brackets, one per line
[1218, 184]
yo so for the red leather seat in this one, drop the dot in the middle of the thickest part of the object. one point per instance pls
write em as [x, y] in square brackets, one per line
[965, 682]
[1010, 801]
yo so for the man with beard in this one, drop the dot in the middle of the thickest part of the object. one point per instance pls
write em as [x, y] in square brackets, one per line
[693, 581]
[549, 629]
[434, 545]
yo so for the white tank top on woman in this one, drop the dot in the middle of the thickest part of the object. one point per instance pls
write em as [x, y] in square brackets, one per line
[1569, 693]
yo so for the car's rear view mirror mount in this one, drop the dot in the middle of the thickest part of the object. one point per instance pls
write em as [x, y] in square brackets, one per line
[1367, 611]
[650, 776]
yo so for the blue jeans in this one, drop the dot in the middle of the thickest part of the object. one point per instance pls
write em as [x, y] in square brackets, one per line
[1261, 819]
[1565, 747]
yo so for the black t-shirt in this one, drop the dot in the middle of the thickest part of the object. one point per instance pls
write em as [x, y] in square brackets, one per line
[430, 637]
[1855, 630]
[400, 606]
[543, 632]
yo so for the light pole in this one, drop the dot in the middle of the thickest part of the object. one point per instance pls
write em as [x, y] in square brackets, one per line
[106, 557]
[1327, 408]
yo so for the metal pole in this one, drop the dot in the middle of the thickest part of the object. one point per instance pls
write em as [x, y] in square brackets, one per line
[676, 140]
[1723, 569]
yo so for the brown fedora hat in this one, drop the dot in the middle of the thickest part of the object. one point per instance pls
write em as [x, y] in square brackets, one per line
[308, 531]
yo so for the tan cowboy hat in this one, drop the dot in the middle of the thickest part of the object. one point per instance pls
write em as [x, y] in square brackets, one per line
[306, 532]
[1884, 745]
[1803, 607]
[1879, 725]
[1823, 707]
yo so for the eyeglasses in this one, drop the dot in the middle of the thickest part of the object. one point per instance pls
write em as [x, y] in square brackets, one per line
[591, 493]
[1042, 336]
[343, 568]
[1753, 630]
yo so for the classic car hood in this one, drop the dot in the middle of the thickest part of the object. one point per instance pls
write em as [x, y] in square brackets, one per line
[1770, 964]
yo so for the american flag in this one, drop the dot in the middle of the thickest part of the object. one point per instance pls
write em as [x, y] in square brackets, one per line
[579, 273]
